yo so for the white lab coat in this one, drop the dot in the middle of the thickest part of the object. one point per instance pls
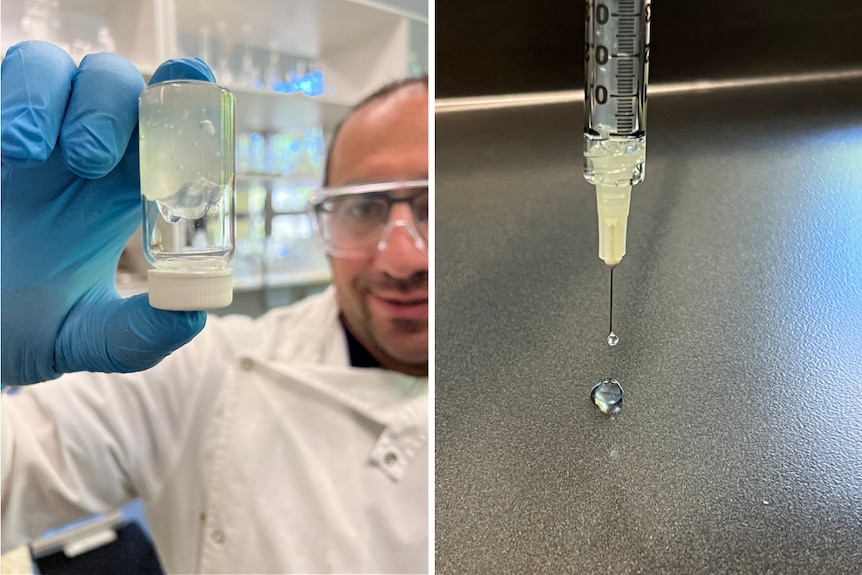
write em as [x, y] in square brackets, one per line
[255, 449]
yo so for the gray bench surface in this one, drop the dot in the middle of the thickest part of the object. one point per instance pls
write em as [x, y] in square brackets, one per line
[739, 308]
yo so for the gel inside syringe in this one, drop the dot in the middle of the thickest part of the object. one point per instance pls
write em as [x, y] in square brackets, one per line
[617, 60]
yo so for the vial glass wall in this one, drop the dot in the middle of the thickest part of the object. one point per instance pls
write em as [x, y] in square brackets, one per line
[187, 188]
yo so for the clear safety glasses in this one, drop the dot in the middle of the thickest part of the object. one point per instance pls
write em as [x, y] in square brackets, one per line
[354, 221]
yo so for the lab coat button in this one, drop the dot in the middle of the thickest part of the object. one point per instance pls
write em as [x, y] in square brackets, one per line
[390, 458]
[246, 364]
[218, 536]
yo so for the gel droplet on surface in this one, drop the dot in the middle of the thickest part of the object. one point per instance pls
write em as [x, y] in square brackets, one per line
[608, 396]
[613, 339]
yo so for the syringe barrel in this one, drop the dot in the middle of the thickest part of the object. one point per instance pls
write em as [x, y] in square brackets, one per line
[616, 65]
[615, 90]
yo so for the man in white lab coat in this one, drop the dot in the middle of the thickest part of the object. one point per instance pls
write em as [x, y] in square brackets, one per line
[294, 443]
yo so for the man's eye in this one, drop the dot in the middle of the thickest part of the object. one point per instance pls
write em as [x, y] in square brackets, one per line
[364, 209]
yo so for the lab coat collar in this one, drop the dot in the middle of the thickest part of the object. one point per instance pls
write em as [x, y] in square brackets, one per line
[398, 403]
[311, 350]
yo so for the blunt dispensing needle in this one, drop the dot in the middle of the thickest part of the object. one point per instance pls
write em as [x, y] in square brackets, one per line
[612, 337]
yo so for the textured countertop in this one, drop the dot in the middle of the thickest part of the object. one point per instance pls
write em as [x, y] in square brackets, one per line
[739, 308]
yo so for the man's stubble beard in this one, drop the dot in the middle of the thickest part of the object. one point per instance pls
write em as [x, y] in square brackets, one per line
[363, 287]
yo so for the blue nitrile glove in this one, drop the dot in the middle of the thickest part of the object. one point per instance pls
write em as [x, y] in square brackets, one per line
[70, 201]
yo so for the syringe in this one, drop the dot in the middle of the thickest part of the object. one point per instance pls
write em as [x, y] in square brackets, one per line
[617, 64]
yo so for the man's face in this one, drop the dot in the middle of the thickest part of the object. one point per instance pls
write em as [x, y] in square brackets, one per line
[384, 298]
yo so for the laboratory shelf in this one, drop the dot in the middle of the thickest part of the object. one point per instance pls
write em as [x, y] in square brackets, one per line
[133, 28]
[357, 46]
[739, 311]
[299, 277]
[276, 177]
[266, 111]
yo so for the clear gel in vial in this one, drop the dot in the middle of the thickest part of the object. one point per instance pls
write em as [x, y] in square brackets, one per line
[187, 188]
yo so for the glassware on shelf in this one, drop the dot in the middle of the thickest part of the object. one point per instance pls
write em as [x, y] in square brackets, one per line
[284, 150]
[105, 40]
[249, 75]
[292, 250]
[273, 68]
[223, 71]
[243, 153]
[248, 260]
[291, 247]
[290, 154]
[204, 45]
[76, 31]
[41, 20]
[79, 48]
[239, 63]
[287, 230]
[304, 77]
[257, 157]
[290, 198]
[315, 149]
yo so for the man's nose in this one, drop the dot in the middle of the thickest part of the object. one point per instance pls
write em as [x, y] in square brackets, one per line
[401, 216]
[402, 251]
[409, 229]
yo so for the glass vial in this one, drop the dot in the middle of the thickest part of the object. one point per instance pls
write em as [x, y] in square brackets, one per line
[187, 188]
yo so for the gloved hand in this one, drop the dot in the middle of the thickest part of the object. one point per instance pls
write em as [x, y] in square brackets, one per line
[70, 201]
